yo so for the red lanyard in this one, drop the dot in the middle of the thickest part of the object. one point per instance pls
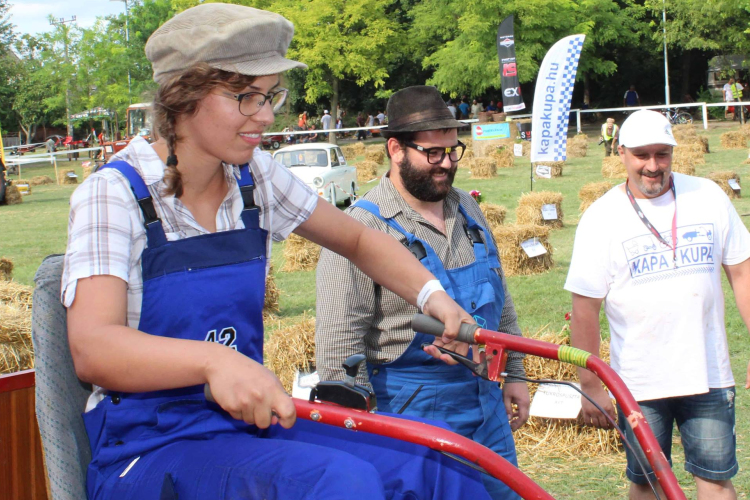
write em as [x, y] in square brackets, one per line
[648, 224]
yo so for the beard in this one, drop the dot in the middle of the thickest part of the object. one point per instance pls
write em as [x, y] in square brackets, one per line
[653, 189]
[421, 184]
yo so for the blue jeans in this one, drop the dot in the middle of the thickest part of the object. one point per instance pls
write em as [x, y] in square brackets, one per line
[706, 424]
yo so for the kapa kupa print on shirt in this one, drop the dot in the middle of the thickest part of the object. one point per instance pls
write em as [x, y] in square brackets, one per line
[649, 259]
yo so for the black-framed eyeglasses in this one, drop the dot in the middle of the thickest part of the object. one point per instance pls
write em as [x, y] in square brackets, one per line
[252, 102]
[437, 155]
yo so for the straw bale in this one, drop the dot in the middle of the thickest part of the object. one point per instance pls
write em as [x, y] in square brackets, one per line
[555, 167]
[578, 146]
[555, 437]
[684, 131]
[300, 253]
[745, 129]
[63, 178]
[12, 195]
[697, 142]
[613, 168]
[691, 153]
[16, 350]
[6, 269]
[514, 260]
[366, 171]
[376, 154]
[529, 209]
[290, 348]
[499, 117]
[721, 178]
[88, 168]
[733, 140]
[526, 148]
[271, 300]
[19, 182]
[486, 147]
[483, 168]
[591, 192]
[495, 214]
[685, 165]
[504, 157]
[41, 180]
[358, 148]
[468, 154]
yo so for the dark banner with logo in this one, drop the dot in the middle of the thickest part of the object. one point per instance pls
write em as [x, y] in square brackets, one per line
[506, 53]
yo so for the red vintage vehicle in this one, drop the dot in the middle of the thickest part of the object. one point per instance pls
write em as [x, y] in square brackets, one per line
[139, 122]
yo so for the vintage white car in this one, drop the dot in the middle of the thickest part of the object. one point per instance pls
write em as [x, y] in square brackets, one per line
[323, 168]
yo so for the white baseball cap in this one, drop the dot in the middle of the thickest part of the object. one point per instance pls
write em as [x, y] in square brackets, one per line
[646, 127]
[325, 111]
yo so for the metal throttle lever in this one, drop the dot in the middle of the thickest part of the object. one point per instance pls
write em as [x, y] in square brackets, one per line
[479, 369]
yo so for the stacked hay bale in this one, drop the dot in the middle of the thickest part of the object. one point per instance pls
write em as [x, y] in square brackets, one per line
[41, 180]
[555, 167]
[271, 300]
[526, 149]
[495, 214]
[16, 349]
[722, 179]
[745, 129]
[514, 260]
[6, 269]
[578, 146]
[686, 134]
[684, 164]
[483, 168]
[366, 171]
[376, 154]
[530, 205]
[546, 437]
[290, 348]
[733, 140]
[468, 154]
[300, 254]
[63, 177]
[12, 195]
[613, 168]
[591, 192]
[691, 152]
[487, 146]
[504, 157]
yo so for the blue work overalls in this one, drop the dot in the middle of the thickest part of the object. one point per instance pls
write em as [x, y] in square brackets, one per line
[419, 385]
[174, 444]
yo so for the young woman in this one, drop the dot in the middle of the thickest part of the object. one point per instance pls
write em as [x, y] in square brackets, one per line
[164, 283]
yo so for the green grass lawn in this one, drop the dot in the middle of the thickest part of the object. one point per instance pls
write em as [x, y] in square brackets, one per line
[37, 228]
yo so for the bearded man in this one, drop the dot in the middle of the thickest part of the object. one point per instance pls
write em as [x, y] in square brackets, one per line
[416, 203]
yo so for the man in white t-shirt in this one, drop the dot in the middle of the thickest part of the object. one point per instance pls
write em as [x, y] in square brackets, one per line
[652, 250]
[325, 120]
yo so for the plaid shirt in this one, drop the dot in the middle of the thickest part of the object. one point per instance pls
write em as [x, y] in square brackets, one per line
[355, 315]
[106, 235]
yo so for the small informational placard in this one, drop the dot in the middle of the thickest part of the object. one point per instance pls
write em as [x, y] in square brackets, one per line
[487, 131]
[23, 188]
[543, 171]
[734, 184]
[303, 384]
[518, 149]
[71, 175]
[533, 247]
[549, 211]
[556, 401]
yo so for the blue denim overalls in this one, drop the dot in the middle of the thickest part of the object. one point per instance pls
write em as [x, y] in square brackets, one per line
[173, 443]
[418, 384]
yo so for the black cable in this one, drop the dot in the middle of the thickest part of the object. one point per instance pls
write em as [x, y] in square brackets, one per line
[606, 415]
[408, 401]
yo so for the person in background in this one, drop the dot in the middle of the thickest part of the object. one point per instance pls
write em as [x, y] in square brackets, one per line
[361, 120]
[302, 121]
[167, 256]
[417, 205]
[491, 106]
[651, 251]
[326, 120]
[631, 98]
[381, 118]
[609, 135]
[452, 108]
[476, 108]
[464, 108]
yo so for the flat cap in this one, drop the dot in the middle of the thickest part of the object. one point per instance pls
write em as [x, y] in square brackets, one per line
[225, 36]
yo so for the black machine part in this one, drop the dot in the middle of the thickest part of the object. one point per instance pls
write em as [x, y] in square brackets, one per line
[346, 393]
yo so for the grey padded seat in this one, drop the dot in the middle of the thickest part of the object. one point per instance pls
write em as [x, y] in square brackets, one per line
[60, 396]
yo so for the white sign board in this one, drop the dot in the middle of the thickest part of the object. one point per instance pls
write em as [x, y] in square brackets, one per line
[734, 184]
[543, 171]
[518, 149]
[549, 211]
[303, 384]
[556, 401]
[533, 247]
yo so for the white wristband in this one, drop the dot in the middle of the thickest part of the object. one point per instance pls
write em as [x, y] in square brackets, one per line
[427, 289]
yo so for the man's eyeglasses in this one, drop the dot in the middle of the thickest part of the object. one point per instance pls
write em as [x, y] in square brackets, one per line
[437, 155]
[252, 102]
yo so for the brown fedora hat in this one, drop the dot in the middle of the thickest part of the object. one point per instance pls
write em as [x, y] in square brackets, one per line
[418, 108]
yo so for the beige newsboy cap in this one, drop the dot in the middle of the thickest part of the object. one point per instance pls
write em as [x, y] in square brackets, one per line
[225, 36]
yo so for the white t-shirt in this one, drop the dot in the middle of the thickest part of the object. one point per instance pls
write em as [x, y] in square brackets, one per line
[325, 122]
[381, 119]
[728, 92]
[666, 324]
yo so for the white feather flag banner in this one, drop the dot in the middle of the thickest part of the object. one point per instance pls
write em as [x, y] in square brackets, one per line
[554, 91]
